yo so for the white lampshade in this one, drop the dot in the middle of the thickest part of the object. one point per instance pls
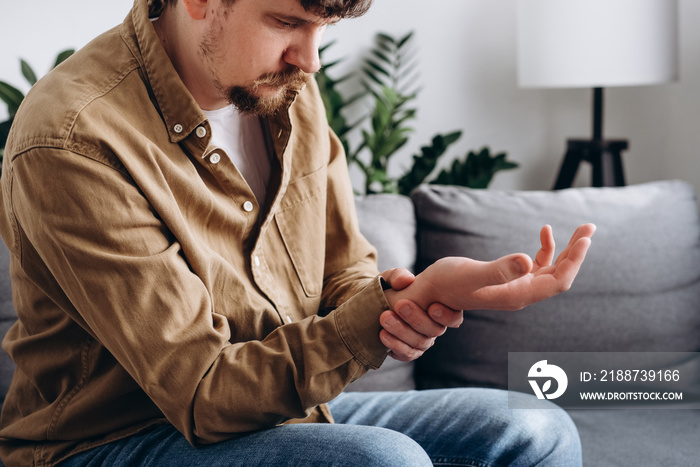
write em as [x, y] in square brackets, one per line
[597, 43]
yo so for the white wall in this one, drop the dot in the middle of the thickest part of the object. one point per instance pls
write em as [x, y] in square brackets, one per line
[467, 56]
[36, 30]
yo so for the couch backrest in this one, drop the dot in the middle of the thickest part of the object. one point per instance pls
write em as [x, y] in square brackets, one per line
[638, 290]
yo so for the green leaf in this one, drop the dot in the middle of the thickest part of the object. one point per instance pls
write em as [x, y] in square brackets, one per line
[407, 115]
[450, 138]
[381, 116]
[386, 46]
[405, 39]
[377, 67]
[63, 56]
[389, 146]
[325, 47]
[4, 131]
[12, 96]
[28, 73]
[390, 95]
[425, 163]
[476, 171]
[384, 37]
[370, 74]
[331, 64]
[382, 56]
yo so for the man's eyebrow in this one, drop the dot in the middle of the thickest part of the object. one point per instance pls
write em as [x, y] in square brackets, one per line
[303, 21]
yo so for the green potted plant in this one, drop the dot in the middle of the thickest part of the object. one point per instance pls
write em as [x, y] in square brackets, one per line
[389, 78]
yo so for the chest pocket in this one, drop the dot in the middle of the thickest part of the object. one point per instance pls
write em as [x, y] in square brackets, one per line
[302, 224]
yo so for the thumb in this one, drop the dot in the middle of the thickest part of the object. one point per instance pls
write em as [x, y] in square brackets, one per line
[507, 268]
[398, 278]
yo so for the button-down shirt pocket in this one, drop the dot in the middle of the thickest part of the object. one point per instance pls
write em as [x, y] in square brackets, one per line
[301, 221]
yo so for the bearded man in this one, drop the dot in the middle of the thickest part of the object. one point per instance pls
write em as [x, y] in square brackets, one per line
[178, 213]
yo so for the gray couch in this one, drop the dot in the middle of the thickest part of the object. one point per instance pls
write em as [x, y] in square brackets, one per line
[639, 290]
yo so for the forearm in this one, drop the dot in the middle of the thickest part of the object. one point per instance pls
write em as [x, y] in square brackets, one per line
[255, 385]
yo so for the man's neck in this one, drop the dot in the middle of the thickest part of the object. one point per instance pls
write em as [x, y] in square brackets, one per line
[183, 59]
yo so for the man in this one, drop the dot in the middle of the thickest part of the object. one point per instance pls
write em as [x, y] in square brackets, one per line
[171, 253]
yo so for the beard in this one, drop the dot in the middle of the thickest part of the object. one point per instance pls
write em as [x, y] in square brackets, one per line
[247, 99]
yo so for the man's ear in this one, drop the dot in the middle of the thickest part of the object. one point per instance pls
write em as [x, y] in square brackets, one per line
[197, 9]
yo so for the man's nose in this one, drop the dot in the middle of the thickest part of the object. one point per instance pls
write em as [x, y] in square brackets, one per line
[304, 53]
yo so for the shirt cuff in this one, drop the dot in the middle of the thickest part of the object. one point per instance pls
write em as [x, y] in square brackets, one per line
[357, 321]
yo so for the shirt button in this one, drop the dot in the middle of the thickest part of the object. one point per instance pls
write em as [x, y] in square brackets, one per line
[215, 158]
[288, 319]
[201, 131]
[178, 128]
[248, 206]
[256, 261]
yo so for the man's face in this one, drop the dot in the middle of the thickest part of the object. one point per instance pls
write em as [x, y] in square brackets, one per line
[255, 52]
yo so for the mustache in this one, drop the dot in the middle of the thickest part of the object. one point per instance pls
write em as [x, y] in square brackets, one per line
[294, 79]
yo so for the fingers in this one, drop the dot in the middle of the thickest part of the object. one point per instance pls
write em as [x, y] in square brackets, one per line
[504, 269]
[583, 231]
[398, 278]
[547, 280]
[408, 331]
[398, 349]
[556, 279]
[568, 268]
[545, 255]
[446, 316]
[409, 321]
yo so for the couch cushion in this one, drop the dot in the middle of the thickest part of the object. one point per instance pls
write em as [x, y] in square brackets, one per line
[639, 289]
[389, 223]
[620, 438]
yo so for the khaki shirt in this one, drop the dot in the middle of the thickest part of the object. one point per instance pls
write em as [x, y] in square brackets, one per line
[150, 285]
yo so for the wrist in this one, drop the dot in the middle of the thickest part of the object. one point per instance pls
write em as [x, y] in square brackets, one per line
[413, 292]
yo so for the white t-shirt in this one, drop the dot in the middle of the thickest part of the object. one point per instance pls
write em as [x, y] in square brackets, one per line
[241, 136]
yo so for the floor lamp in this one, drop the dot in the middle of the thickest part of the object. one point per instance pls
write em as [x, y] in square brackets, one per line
[596, 44]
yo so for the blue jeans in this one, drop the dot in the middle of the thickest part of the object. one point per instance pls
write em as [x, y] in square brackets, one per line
[465, 427]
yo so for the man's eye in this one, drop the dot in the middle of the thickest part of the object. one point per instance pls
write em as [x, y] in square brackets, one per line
[285, 24]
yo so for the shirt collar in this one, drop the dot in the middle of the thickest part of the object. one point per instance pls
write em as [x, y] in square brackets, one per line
[179, 110]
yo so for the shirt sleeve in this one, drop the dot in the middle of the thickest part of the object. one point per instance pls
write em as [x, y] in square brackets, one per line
[88, 235]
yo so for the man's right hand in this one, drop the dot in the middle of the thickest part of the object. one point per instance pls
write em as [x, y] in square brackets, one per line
[408, 330]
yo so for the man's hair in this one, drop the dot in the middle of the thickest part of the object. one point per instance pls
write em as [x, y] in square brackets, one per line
[322, 8]
[337, 8]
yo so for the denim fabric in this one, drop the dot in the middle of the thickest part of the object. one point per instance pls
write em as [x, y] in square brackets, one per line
[463, 427]
[468, 426]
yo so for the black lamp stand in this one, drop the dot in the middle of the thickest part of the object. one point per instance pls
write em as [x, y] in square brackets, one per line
[604, 155]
